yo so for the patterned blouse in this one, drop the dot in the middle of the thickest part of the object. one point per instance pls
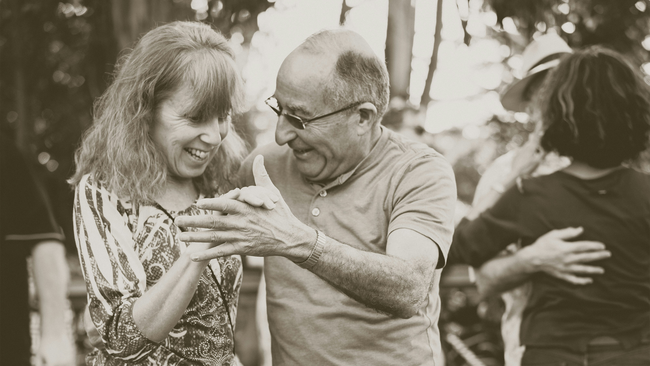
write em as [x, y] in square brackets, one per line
[124, 250]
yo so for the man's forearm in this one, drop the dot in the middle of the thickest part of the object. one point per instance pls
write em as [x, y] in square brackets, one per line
[382, 282]
[51, 276]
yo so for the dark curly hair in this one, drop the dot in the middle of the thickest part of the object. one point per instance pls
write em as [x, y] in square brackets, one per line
[595, 108]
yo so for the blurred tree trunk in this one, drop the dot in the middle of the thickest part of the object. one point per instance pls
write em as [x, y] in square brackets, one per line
[345, 9]
[464, 19]
[102, 49]
[17, 62]
[433, 65]
[399, 46]
[133, 18]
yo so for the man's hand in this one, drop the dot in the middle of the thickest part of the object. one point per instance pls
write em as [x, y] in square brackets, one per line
[258, 231]
[552, 254]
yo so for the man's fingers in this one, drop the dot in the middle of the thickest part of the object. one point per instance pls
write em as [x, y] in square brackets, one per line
[585, 269]
[588, 256]
[262, 178]
[210, 222]
[222, 250]
[211, 236]
[566, 233]
[584, 246]
[222, 204]
[576, 280]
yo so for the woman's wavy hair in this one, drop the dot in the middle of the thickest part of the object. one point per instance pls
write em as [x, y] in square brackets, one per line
[118, 150]
[595, 108]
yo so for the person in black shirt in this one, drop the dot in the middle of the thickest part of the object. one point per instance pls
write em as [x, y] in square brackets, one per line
[27, 228]
[595, 110]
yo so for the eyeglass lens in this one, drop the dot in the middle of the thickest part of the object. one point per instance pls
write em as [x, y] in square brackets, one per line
[295, 121]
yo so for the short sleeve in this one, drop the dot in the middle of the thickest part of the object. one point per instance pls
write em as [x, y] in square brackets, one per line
[424, 201]
[477, 241]
[114, 276]
[26, 214]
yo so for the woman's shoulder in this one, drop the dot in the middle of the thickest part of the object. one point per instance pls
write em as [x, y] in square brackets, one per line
[93, 189]
[90, 182]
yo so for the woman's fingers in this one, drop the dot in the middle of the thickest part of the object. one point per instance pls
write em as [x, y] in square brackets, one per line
[258, 196]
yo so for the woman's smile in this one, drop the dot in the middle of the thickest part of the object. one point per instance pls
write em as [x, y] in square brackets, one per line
[198, 155]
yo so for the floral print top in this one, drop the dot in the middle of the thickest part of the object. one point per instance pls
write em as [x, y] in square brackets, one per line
[124, 250]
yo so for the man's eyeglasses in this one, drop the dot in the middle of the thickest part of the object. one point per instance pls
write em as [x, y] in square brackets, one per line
[299, 122]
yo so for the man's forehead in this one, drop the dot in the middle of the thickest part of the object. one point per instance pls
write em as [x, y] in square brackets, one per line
[300, 81]
[307, 65]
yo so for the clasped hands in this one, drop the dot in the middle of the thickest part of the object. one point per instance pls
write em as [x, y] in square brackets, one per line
[253, 221]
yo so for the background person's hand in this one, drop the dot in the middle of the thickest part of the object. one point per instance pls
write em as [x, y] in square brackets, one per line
[553, 254]
[93, 335]
[249, 230]
[56, 350]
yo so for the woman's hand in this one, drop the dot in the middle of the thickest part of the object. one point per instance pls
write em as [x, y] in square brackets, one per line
[255, 196]
[528, 156]
[249, 230]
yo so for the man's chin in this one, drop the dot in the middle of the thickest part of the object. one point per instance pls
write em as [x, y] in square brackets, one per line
[309, 170]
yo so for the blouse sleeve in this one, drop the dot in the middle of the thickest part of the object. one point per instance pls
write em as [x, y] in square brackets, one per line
[114, 276]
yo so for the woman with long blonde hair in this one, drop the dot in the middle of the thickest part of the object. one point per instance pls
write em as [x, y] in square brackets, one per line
[162, 137]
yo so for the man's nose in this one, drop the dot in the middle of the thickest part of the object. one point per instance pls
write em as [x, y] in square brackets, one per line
[284, 131]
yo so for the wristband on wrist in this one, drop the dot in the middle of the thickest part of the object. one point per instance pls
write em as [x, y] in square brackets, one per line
[316, 252]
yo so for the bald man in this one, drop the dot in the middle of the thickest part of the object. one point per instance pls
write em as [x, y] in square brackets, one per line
[361, 223]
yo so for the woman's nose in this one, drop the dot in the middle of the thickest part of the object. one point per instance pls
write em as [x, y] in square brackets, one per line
[215, 130]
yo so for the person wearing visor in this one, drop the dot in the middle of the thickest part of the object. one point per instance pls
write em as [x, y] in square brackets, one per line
[508, 273]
